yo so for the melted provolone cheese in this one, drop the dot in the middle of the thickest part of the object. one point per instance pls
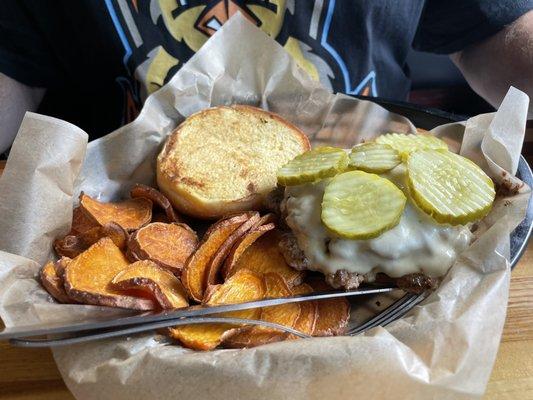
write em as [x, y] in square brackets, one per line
[416, 244]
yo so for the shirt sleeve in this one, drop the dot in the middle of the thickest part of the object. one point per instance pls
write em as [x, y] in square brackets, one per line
[449, 26]
[25, 51]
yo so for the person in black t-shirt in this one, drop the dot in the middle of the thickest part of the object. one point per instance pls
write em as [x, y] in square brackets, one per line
[95, 61]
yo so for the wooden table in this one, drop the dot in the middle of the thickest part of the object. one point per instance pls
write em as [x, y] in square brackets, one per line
[32, 374]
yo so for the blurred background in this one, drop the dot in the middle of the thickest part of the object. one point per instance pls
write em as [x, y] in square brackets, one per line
[437, 83]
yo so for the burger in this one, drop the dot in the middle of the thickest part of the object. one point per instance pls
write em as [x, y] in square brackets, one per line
[397, 210]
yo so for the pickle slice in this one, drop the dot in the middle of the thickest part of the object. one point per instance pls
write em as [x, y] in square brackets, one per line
[374, 157]
[359, 205]
[450, 188]
[320, 163]
[406, 144]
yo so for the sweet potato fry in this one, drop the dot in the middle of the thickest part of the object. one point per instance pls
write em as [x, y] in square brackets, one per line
[80, 222]
[53, 283]
[333, 314]
[308, 314]
[223, 251]
[194, 274]
[156, 197]
[241, 287]
[264, 256]
[286, 314]
[88, 278]
[149, 277]
[129, 214]
[73, 245]
[168, 245]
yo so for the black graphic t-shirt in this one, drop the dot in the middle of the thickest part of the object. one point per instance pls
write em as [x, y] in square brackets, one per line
[99, 59]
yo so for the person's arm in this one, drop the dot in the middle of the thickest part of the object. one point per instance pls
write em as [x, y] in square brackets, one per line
[15, 99]
[504, 59]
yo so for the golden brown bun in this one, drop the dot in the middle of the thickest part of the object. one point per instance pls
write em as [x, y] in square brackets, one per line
[224, 160]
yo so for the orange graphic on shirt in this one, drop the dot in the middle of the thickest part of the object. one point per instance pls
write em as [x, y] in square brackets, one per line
[216, 15]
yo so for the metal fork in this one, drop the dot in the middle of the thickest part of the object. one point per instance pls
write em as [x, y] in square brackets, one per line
[391, 313]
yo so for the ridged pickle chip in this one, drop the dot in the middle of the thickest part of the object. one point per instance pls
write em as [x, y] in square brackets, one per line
[149, 277]
[285, 314]
[168, 245]
[242, 287]
[374, 157]
[359, 205]
[450, 188]
[311, 166]
[406, 144]
[130, 214]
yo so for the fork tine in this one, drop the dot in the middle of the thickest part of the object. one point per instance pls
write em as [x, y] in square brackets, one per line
[375, 320]
[391, 313]
[400, 313]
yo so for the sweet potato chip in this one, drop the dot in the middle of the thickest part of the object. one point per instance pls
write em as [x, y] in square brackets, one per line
[59, 267]
[308, 314]
[156, 197]
[223, 251]
[80, 222]
[194, 274]
[88, 278]
[202, 336]
[241, 287]
[73, 245]
[266, 219]
[333, 314]
[160, 283]
[129, 214]
[264, 256]
[160, 216]
[53, 283]
[242, 244]
[286, 314]
[168, 245]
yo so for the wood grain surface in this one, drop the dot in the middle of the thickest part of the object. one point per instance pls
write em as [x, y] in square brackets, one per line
[32, 374]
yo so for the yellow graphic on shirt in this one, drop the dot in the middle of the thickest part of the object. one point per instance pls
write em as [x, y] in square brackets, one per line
[194, 24]
[158, 69]
[293, 48]
[182, 27]
[270, 21]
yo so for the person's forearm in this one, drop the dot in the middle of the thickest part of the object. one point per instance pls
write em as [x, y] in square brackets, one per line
[15, 100]
[505, 59]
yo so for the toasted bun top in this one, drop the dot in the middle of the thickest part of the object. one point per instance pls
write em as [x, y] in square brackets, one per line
[227, 154]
